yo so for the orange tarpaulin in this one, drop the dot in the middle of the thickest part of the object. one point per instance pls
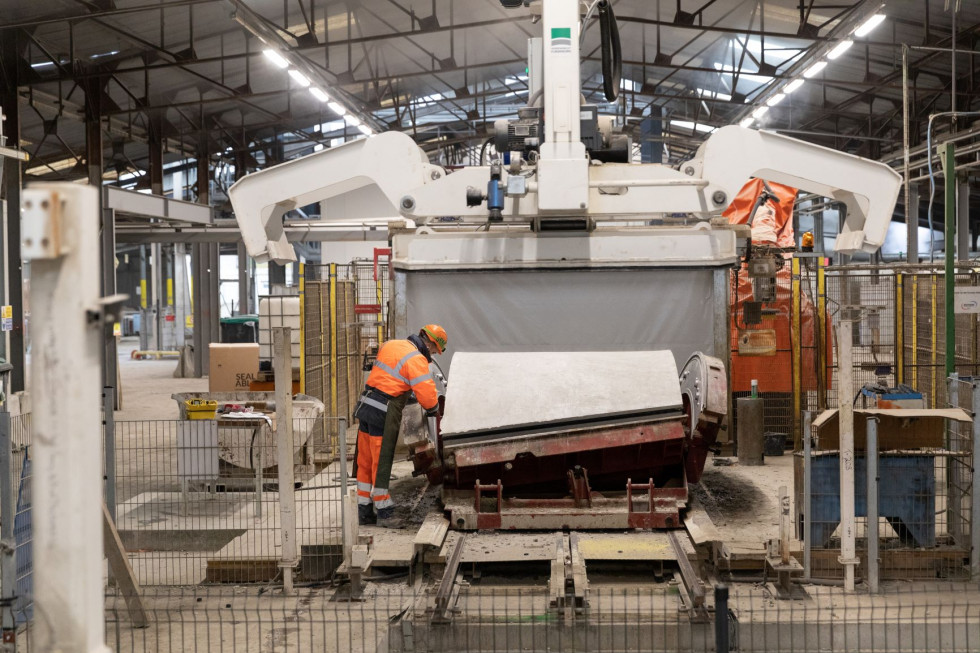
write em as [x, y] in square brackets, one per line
[772, 225]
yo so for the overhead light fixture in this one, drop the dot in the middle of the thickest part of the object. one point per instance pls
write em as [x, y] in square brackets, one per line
[815, 69]
[869, 25]
[352, 120]
[318, 94]
[775, 99]
[758, 113]
[793, 86]
[275, 58]
[336, 108]
[364, 129]
[299, 77]
[841, 48]
[318, 147]
[746, 122]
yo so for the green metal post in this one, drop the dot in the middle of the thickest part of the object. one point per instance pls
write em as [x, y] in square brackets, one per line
[947, 152]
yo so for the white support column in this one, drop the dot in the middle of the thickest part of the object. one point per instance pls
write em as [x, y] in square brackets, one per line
[60, 236]
[283, 367]
[180, 294]
[563, 170]
[845, 396]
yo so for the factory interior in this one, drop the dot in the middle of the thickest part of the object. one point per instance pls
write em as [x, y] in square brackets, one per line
[489, 325]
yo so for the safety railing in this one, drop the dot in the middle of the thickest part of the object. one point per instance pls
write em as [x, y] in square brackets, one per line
[16, 531]
[197, 501]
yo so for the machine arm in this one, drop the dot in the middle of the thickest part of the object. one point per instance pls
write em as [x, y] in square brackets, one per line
[869, 189]
[388, 174]
[366, 176]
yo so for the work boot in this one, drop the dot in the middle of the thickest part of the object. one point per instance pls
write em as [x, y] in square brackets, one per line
[387, 518]
[365, 514]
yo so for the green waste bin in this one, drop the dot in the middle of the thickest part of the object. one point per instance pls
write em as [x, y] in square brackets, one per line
[239, 328]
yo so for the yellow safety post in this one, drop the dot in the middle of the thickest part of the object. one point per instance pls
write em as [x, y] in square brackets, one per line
[915, 331]
[170, 291]
[822, 344]
[933, 359]
[333, 340]
[323, 346]
[302, 328]
[795, 346]
[899, 329]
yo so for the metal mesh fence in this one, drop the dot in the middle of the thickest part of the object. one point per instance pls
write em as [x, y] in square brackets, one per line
[16, 541]
[198, 500]
[623, 618]
[344, 318]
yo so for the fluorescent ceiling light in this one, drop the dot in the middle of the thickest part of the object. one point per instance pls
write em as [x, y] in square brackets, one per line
[841, 48]
[276, 58]
[815, 69]
[43, 64]
[758, 113]
[746, 121]
[318, 147]
[104, 54]
[869, 25]
[352, 120]
[687, 124]
[336, 108]
[793, 86]
[775, 99]
[318, 94]
[299, 77]
[364, 129]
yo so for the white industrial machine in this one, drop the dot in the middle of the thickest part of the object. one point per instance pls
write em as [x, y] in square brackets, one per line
[559, 245]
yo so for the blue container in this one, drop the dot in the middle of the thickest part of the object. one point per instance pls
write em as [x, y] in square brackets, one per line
[906, 496]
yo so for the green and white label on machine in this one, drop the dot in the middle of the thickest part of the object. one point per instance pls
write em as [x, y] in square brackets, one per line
[561, 40]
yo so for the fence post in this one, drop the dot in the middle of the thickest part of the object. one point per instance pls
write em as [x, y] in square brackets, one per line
[954, 499]
[109, 434]
[807, 494]
[8, 545]
[282, 357]
[871, 460]
[722, 645]
[797, 353]
[342, 459]
[975, 505]
[845, 392]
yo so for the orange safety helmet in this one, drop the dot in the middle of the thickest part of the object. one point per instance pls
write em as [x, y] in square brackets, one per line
[438, 335]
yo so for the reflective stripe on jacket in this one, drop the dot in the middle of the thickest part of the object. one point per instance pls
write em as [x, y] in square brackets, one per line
[401, 367]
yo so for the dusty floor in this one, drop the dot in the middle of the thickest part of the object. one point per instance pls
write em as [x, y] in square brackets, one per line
[148, 384]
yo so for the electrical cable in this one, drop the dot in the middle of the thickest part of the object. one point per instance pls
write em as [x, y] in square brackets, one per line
[612, 54]
[483, 150]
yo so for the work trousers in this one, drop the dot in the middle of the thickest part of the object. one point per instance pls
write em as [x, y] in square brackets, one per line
[374, 457]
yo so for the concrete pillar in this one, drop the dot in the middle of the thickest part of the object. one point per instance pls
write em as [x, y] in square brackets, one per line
[963, 220]
[11, 46]
[751, 427]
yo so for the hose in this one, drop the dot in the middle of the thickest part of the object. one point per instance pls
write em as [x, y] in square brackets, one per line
[612, 53]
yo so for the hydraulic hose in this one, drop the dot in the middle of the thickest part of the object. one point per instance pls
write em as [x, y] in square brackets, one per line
[612, 54]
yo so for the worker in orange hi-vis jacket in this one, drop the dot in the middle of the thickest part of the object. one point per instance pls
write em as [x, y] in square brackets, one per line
[402, 366]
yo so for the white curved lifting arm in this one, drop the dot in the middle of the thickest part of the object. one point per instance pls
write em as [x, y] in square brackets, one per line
[389, 175]
[367, 176]
[869, 189]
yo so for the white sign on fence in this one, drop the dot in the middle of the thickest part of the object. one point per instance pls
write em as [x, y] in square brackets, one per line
[966, 299]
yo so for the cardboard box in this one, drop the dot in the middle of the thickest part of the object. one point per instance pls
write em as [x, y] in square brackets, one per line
[233, 366]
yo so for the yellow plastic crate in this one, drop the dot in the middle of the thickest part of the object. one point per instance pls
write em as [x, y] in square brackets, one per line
[200, 408]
